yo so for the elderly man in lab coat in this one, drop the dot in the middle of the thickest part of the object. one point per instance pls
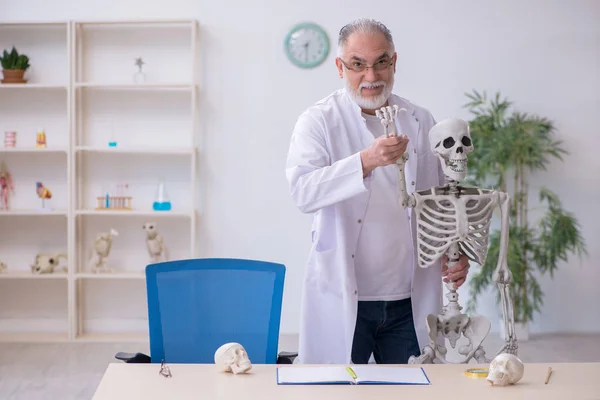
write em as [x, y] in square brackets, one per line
[363, 294]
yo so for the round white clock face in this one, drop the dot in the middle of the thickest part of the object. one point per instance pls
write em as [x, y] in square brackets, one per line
[307, 45]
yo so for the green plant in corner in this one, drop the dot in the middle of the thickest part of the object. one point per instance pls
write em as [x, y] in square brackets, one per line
[14, 66]
[509, 147]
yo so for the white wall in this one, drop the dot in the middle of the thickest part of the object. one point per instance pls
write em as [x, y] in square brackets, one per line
[544, 55]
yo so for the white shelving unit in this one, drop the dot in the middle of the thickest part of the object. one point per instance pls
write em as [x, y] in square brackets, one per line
[81, 89]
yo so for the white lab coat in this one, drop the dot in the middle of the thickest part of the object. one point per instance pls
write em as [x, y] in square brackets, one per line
[324, 172]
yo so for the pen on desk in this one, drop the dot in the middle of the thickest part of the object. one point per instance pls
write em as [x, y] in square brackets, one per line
[352, 374]
[548, 375]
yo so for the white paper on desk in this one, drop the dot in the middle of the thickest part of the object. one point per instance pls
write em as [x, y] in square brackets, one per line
[367, 375]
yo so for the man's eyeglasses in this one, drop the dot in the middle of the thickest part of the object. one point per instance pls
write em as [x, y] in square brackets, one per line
[380, 65]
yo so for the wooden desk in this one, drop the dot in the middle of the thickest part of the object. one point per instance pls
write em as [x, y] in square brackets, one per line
[203, 381]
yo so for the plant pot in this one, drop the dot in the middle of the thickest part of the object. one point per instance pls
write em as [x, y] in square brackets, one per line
[521, 331]
[13, 76]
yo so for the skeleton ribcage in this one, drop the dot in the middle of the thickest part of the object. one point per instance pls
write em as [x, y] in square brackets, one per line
[443, 219]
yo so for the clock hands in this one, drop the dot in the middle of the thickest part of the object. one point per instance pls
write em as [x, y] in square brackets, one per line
[306, 51]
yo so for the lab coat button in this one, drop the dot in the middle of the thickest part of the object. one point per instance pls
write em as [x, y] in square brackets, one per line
[352, 255]
[415, 151]
[413, 183]
[356, 292]
[359, 221]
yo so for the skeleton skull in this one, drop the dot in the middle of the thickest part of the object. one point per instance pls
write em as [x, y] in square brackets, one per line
[450, 139]
[232, 357]
[505, 369]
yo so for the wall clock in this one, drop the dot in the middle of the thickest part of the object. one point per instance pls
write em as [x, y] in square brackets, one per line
[307, 45]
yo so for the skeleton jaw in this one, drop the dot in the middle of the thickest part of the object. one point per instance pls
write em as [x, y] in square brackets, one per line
[454, 168]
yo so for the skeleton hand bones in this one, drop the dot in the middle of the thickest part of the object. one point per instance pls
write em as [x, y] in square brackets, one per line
[388, 149]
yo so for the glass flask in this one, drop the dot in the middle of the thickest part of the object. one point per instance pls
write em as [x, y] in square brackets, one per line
[161, 201]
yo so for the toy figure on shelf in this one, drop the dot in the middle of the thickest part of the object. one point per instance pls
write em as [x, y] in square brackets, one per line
[155, 243]
[40, 140]
[43, 193]
[102, 246]
[6, 184]
[3, 266]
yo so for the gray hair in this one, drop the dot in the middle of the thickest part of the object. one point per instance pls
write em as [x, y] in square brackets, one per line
[362, 25]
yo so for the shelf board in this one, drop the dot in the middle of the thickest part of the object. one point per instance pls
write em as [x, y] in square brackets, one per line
[137, 150]
[28, 23]
[33, 213]
[45, 150]
[29, 275]
[173, 86]
[113, 337]
[32, 86]
[111, 275]
[136, 213]
[153, 22]
[33, 337]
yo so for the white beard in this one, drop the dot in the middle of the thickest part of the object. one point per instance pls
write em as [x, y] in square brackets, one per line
[370, 103]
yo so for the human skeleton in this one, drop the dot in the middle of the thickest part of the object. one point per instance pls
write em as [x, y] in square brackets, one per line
[452, 219]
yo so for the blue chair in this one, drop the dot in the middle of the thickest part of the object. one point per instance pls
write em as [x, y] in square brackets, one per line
[197, 305]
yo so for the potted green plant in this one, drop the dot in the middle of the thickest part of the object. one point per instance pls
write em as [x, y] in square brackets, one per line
[508, 148]
[14, 66]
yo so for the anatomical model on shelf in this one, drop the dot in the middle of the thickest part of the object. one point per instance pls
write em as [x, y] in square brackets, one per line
[6, 186]
[454, 219]
[155, 243]
[45, 263]
[43, 193]
[101, 251]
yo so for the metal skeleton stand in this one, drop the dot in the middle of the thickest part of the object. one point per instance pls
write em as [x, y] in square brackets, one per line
[451, 220]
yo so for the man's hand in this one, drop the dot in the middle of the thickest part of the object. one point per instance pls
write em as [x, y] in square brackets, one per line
[457, 273]
[383, 151]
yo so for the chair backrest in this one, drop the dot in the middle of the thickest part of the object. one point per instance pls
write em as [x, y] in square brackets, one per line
[197, 305]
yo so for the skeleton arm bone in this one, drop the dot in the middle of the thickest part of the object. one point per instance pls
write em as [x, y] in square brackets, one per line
[404, 198]
[502, 275]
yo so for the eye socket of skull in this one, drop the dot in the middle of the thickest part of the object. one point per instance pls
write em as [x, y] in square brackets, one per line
[449, 142]
[466, 141]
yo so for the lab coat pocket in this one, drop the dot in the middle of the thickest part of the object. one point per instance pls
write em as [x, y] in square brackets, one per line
[328, 271]
[324, 230]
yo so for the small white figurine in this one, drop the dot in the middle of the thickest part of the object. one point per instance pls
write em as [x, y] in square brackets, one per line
[102, 246]
[156, 245]
[232, 357]
[3, 266]
[505, 369]
[46, 263]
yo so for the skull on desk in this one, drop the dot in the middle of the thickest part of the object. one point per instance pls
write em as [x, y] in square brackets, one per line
[505, 369]
[232, 357]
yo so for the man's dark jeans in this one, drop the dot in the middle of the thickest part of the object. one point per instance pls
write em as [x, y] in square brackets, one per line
[386, 329]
